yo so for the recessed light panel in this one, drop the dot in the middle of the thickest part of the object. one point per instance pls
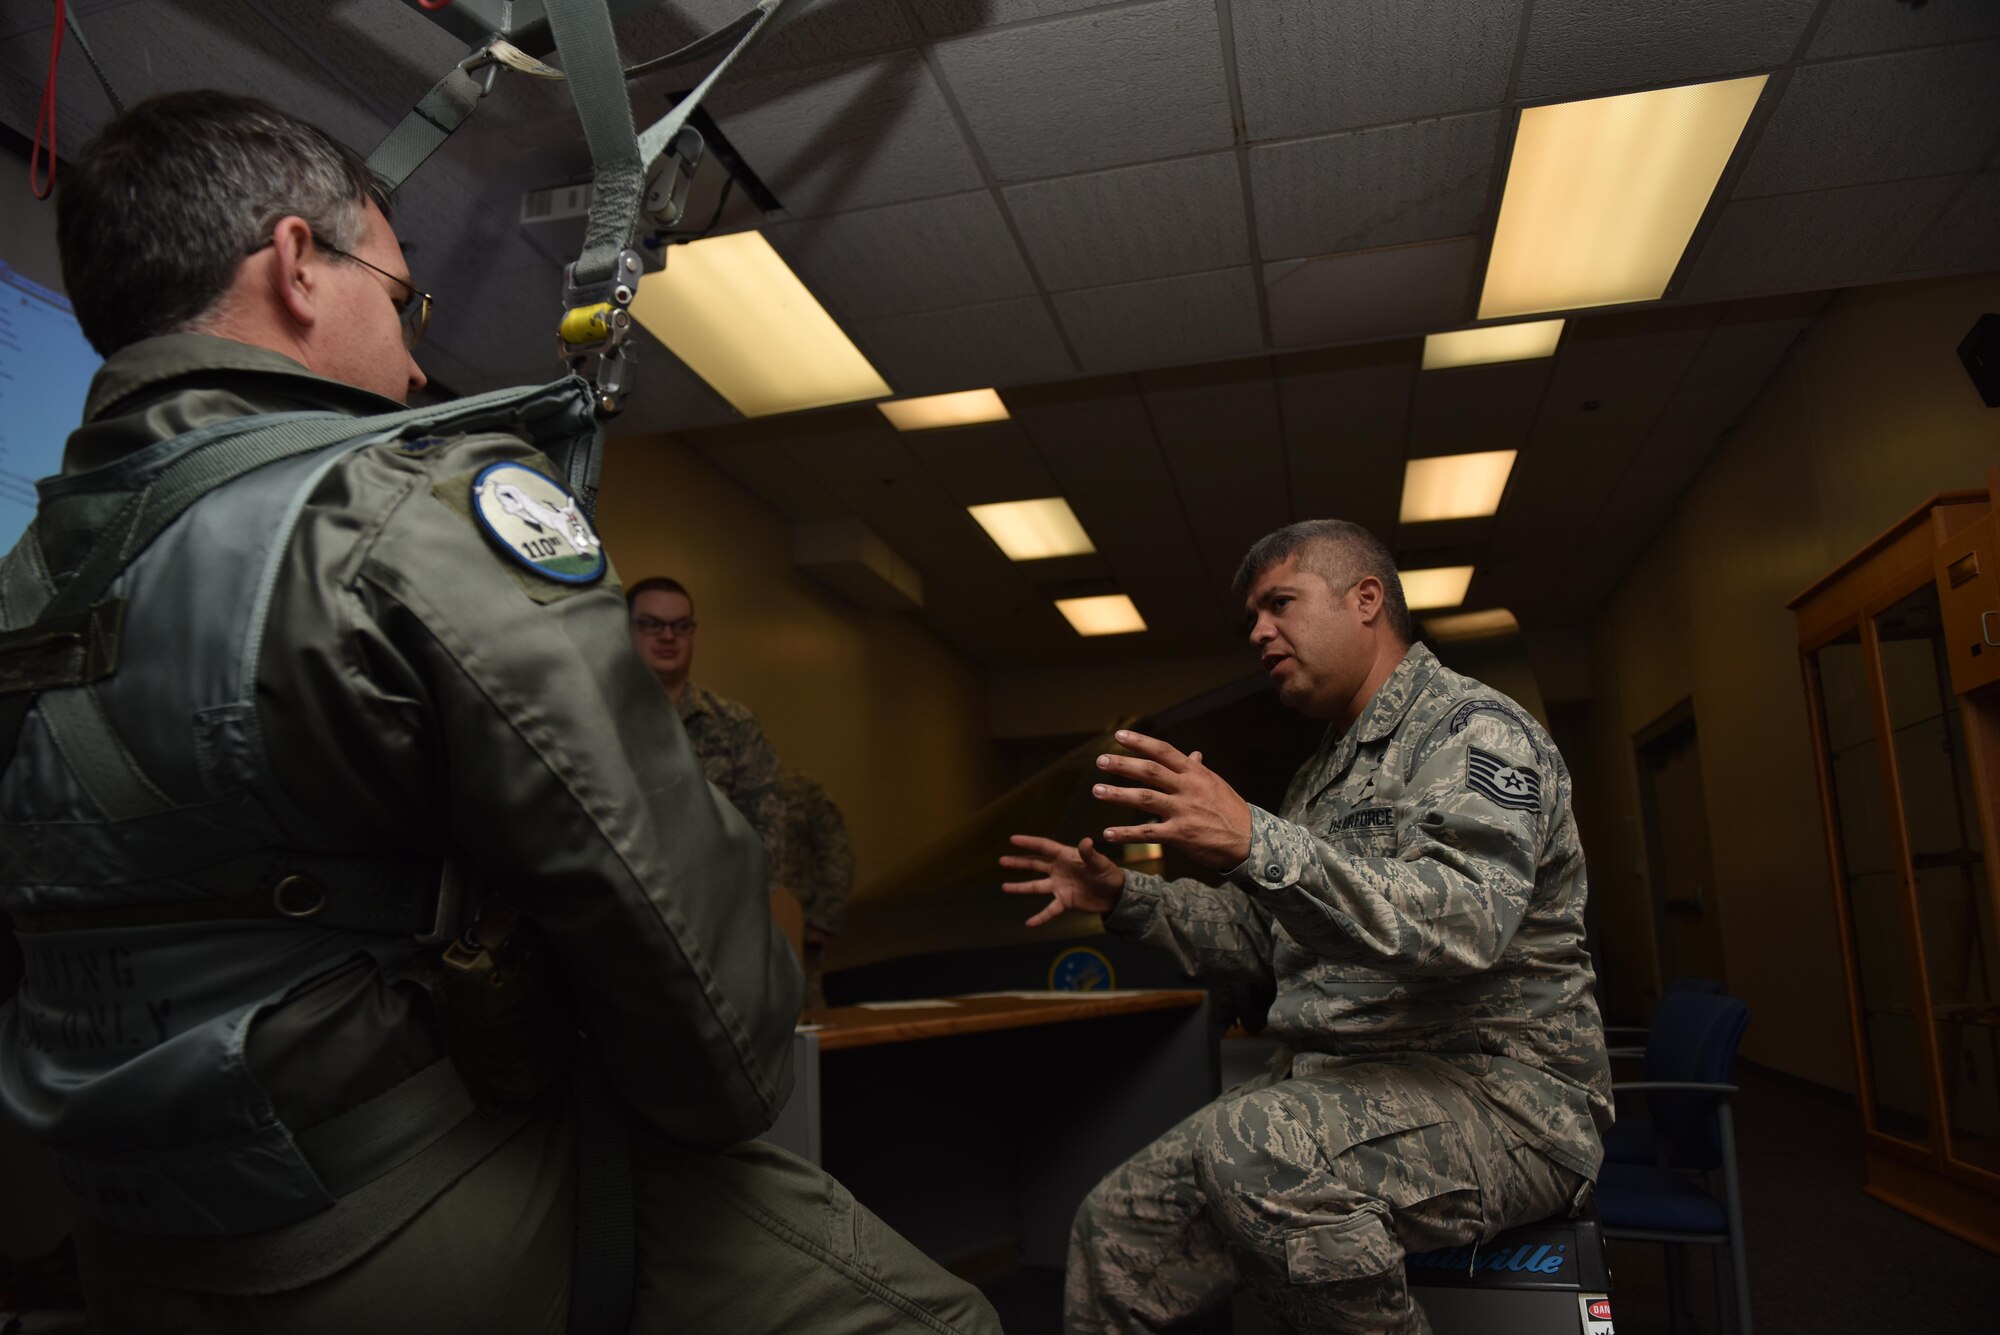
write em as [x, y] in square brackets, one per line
[1495, 343]
[735, 312]
[1486, 625]
[1034, 530]
[1455, 486]
[1111, 614]
[1440, 586]
[1602, 195]
[965, 408]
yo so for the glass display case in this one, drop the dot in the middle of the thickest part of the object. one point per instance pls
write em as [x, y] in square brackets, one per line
[1904, 686]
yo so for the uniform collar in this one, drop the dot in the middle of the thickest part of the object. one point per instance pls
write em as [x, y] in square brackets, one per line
[151, 363]
[1384, 712]
[1391, 702]
[694, 700]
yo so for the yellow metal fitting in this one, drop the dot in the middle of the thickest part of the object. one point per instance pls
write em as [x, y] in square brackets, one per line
[587, 325]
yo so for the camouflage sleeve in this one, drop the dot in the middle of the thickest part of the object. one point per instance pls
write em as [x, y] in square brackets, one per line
[832, 873]
[753, 785]
[1212, 931]
[1446, 900]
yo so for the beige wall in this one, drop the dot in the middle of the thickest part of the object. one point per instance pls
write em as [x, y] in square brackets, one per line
[887, 716]
[1870, 414]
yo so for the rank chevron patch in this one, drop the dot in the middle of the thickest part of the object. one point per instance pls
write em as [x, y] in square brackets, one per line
[1515, 787]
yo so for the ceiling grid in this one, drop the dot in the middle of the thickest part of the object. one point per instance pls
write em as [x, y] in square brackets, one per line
[1110, 211]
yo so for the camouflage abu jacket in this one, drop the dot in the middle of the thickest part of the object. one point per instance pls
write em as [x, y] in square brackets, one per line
[1422, 890]
[738, 759]
[818, 863]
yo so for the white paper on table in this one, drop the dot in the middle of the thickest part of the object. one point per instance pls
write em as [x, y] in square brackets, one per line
[902, 1005]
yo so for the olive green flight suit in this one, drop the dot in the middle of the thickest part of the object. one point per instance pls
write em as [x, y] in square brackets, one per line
[421, 691]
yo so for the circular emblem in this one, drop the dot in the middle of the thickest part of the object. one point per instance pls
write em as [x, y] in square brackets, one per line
[530, 517]
[1081, 969]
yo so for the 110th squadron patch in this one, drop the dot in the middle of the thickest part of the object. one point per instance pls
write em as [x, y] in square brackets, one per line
[530, 517]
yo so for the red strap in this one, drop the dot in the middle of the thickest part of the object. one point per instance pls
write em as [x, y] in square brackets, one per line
[45, 121]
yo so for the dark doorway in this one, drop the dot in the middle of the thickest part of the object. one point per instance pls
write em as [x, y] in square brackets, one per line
[1680, 871]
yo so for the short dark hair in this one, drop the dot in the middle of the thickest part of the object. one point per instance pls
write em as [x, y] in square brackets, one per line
[1339, 552]
[157, 212]
[658, 584]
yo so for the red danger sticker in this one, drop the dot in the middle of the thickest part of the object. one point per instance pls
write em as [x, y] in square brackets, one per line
[1600, 1310]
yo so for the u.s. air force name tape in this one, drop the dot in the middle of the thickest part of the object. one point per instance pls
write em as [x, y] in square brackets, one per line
[1514, 786]
[531, 518]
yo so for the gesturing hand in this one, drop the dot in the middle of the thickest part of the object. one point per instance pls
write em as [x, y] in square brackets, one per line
[1080, 878]
[1191, 807]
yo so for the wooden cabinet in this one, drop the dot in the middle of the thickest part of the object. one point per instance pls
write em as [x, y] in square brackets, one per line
[1904, 691]
[1968, 580]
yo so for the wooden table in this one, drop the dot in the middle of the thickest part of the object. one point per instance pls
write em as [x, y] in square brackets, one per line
[972, 1123]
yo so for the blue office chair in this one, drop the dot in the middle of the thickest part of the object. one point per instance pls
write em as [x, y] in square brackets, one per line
[1690, 1053]
[1632, 1140]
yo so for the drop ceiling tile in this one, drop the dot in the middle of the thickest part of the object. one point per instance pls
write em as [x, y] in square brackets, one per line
[1164, 321]
[1727, 376]
[761, 467]
[1371, 293]
[1038, 102]
[1811, 242]
[1220, 430]
[992, 461]
[1098, 441]
[807, 33]
[1581, 48]
[1855, 27]
[1344, 430]
[1006, 343]
[944, 18]
[849, 135]
[1476, 407]
[1608, 392]
[1150, 221]
[1967, 235]
[1384, 187]
[1879, 118]
[38, 19]
[906, 258]
[1313, 68]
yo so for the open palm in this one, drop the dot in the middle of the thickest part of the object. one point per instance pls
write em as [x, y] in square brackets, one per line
[1078, 878]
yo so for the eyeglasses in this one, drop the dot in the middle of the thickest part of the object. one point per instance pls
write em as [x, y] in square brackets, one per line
[414, 310]
[682, 626]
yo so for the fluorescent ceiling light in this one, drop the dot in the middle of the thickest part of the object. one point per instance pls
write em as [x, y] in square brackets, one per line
[1112, 614]
[962, 409]
[1034, 530]
[1495, 343]
[1471, 625]
[731, 309]
[1455, 486]
[1603, 195]
[1442, 586]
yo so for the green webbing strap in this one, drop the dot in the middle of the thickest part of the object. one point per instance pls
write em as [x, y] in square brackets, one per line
[655, 140]
[589, 48]
[442, 110]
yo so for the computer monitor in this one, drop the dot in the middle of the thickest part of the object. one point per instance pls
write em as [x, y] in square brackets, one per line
[45, 370]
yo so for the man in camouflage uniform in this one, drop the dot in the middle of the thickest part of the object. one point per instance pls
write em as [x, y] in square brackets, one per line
[726, 736]
[1418, 903]
[818, 866]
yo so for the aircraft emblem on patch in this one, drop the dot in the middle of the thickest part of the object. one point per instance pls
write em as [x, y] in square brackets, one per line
[530, 516]
[1513, 786]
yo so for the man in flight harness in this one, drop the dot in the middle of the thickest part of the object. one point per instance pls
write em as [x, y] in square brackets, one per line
[1418, 903]
[296, 690]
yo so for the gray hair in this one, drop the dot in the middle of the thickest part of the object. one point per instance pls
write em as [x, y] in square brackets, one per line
[1339, 552]
[159, 210]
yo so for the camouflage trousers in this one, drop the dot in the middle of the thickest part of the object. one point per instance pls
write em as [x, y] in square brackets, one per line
[1308, 1190]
